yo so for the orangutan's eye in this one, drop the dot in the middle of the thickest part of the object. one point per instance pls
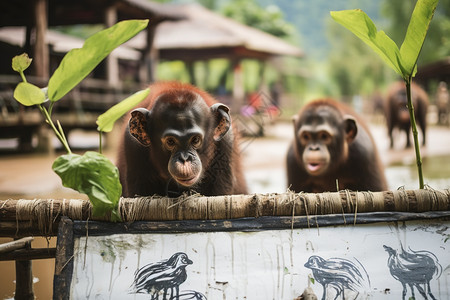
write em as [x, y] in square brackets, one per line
[196, 141]
[305, 137]
[170, 143]
[325, 137]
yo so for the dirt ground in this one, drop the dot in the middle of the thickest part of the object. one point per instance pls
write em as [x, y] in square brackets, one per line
[29, 176]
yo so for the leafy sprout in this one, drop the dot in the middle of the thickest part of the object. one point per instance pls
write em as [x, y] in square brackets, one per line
[404, 60]
[91, 173]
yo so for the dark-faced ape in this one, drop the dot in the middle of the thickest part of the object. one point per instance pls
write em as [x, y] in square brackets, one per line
[332, 147]
[180, 139]
[397, 114]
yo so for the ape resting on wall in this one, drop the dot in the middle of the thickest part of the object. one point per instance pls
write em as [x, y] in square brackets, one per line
[332, 143]
[180, 139]
[397, 114]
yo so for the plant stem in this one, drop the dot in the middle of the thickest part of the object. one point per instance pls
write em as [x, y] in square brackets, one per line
[61, 131]
[23, 76]
[414, 131]
[100, 142]
[60, 135]
[50, 108]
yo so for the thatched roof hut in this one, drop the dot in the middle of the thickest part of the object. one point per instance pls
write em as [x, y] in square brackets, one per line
[38, 15]
[205, 34]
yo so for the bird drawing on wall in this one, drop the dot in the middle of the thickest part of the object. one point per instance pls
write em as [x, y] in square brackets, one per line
[162, 277]
[340, 278]
[413, 268]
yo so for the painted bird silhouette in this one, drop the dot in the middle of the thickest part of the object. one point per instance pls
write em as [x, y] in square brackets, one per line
[162, 276]
[413, 268]
[339, 277]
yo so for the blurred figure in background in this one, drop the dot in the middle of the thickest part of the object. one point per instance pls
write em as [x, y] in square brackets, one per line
[443, 103]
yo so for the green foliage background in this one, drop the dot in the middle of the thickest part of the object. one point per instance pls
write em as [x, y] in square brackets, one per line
[329, 68]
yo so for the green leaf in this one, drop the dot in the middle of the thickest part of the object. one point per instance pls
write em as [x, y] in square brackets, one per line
[106, 120]
[21, 62]
[78, 63]
[28, 94]
[416, 33]
[362, 26]
[94, 175]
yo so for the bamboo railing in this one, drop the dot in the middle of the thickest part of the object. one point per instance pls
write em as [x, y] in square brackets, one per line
[41, 216]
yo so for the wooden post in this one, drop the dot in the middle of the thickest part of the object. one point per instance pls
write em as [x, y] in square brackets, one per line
[64, 259]
[207, 69]
[150, 57]
[154, 54]
[112, 62]
[238, 87]
[24, 278]
[27, 47]
[41, 53]
[191, 71]
[262, 72]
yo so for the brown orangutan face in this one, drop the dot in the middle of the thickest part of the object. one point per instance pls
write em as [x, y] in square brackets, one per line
[178, 133]
[322, 137]
[183, 144]
[315, 140]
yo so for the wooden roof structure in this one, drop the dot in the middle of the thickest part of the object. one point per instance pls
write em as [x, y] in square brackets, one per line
[187, 32]
[60, 42]
[203, 35]
[38, 15]
[68, 12]
[197, 34]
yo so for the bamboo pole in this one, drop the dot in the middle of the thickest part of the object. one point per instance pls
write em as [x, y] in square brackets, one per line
[14, 245]
[42, 215]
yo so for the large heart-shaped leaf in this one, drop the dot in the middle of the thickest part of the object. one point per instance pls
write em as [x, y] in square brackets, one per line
[106, 120]
[94, 175]
[362, 26]
[416, 33]
[28, 94]
[78, 63]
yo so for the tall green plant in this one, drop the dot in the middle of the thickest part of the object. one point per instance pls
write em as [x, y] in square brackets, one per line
[403, 60]
[91, 173]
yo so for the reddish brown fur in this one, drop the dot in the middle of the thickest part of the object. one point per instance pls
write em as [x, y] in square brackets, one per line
[354, 159]
[174, 88]
[344, 109]
[143, 170]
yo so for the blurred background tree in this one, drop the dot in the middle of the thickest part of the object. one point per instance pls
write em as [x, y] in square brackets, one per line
[269, 19]
[437, 43]
[336, 64]
[352, 67]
